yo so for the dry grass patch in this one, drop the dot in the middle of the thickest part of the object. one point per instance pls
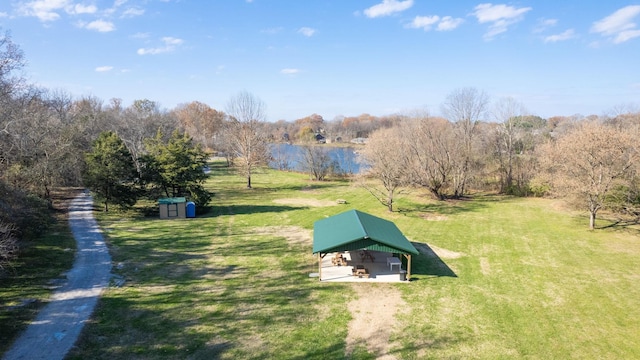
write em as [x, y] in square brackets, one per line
[623, 243]
[484, 266]
[295, 235]
[433, 217]
[305, 202]
[373, 315]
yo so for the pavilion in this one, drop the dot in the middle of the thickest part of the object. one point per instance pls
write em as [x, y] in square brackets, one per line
[354, 231]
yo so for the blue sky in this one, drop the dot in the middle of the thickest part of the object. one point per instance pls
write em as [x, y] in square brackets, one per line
[334, 57]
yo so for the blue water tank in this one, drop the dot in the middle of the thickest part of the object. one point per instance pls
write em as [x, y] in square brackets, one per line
[191, 209]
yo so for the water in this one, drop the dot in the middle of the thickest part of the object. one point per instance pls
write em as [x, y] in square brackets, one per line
[289, 157]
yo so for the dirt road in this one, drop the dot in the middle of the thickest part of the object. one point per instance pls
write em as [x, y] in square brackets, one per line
[58, 325]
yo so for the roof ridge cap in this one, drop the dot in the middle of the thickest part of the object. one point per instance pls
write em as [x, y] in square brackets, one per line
[364, 231]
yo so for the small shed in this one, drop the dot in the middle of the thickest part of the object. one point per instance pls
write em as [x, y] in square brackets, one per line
[355, 230]
[173, 208]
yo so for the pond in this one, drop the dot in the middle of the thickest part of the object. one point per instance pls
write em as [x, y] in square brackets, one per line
[289, 157]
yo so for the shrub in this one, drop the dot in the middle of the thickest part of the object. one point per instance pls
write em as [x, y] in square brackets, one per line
[8, 244]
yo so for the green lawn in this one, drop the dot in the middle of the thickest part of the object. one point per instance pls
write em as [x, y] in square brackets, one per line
[516, 278]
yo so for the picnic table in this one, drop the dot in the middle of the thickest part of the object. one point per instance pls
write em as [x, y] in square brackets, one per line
[339, 260]
[360, 271]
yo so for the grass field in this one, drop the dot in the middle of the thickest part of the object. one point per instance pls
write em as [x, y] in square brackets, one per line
[514, 278]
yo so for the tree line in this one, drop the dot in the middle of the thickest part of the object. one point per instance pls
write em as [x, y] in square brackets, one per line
[593, 162]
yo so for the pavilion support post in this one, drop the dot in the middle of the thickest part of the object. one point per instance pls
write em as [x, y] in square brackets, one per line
[319, 266]
[408, 267]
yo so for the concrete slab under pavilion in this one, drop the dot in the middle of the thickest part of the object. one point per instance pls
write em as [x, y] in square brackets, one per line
[378, 270]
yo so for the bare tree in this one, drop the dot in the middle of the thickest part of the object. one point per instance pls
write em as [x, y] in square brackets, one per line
[507, 111]
[11, 63]
[588, 162]
[142, 120]
[316, 161]
[200, 121]
[465, 107]
[313, 157]
[281, 156]
[245, 132]
[432, 147]
[386, 154]
[38, 142]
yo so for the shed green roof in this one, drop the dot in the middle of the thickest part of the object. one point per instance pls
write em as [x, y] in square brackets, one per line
[355, 230]
[173, 200]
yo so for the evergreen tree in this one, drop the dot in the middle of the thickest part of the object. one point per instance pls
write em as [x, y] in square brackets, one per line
[110, 172]
[177, 167]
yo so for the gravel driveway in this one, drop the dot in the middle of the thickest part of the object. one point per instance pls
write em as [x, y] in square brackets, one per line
[57, 326]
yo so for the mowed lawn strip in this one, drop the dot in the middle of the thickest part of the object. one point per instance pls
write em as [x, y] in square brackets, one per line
[531, 282]
[512, 278]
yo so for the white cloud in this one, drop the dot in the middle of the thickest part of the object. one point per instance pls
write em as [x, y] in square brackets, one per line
[83, 9]
[448, 23]
[44, 10]
[499, 16]
[388, 7]
[125, 11]
[619, 26]
[443, 24]
[307, 31]
[52, 10]
[104, 68]
[100, 25]
[424, 22]
[544, 24]
[132, 12]
[3, 14]
[151, 51]
[626, 35]
[172, 41]
[569, 34]
[492, 13]
[170, 44]
[290, 71]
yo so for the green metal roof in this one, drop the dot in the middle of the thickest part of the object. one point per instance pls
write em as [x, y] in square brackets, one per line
[173, 200]
[355, 230]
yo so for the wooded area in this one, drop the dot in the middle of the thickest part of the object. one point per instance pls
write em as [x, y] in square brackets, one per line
[50, 139]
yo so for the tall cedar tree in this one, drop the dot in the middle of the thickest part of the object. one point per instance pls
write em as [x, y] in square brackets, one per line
[110, 172]
[177, 166]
